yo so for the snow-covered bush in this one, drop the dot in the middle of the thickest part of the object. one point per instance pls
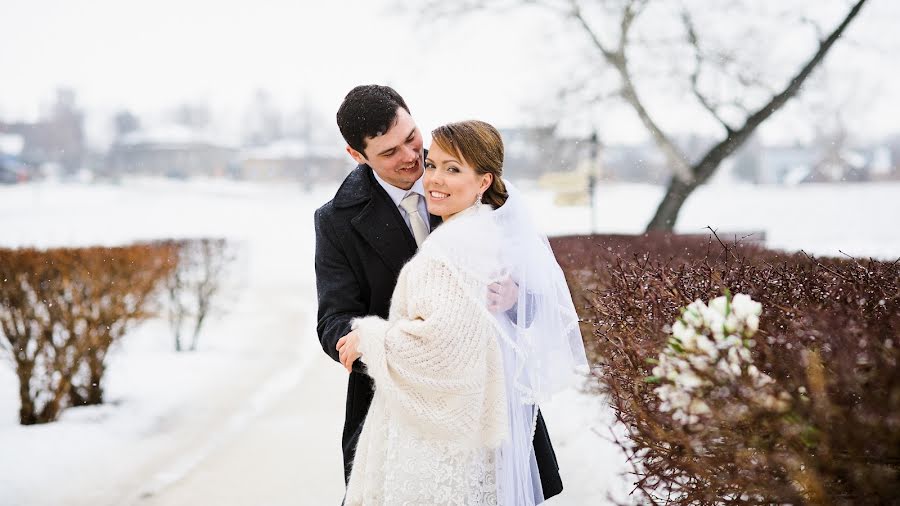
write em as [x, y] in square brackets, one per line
[61, 310]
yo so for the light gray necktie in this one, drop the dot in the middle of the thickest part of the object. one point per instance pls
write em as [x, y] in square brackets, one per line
[410, 204]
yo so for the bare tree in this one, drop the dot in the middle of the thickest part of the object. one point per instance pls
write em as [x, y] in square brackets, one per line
[195, 285]
[738, 119]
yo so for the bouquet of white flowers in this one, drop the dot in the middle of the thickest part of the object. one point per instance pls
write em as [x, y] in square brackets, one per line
[710, 349]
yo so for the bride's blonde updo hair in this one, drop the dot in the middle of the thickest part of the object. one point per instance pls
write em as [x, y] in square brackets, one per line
[478, 144]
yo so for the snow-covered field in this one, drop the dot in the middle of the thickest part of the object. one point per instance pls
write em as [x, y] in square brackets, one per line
[255, 416]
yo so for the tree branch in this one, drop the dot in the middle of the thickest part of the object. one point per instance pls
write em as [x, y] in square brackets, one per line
[705, 167]
[693, 40]
[616, 57]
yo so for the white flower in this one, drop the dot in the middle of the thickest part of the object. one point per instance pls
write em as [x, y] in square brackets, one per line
[705, 345]
[698, 407]
[700, 362]
[732, 323]
[734, 362]
[685, 334]
[688, 380]
[678, 364]
[731, 341]
[678, 399]
[744, 306]
[719, 305]
[693, 315]
[663, 392]
[715, 322]
[752, 324]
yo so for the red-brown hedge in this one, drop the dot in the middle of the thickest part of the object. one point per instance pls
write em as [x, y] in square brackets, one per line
[828, 336]
[60, 311]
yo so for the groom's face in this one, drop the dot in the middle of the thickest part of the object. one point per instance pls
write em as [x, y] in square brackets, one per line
[396, 155]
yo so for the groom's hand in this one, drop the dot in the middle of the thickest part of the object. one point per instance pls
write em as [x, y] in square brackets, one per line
[348, 349]
[502, 295]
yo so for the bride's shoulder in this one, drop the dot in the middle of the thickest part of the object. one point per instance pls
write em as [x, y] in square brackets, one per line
[475, 227]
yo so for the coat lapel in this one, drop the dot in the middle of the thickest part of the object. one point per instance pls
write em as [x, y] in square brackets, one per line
[435, 221]
[379, 223]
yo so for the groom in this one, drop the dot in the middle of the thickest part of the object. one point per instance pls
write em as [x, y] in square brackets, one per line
[367, 232]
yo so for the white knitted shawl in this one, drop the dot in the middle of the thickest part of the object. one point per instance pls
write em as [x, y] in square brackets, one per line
[436, 361]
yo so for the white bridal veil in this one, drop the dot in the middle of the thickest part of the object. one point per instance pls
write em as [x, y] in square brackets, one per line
[541, 342]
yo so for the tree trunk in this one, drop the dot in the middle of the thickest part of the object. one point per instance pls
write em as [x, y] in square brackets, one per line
[51, 410]
[667, 212]
[96, 361]
[90, 392]
[196, 337]
[95, 387]
[27, 414]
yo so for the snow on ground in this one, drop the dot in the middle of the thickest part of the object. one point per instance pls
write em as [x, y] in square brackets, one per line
[257, 412]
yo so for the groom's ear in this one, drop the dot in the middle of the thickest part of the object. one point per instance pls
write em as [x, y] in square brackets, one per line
[357, 156]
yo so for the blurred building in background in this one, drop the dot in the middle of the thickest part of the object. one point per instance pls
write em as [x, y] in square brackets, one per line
[529, 152]
[173, 151]
[292, 159]
[54, 143]
[184, 147]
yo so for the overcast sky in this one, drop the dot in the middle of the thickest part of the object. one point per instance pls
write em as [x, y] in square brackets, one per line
[149, 56]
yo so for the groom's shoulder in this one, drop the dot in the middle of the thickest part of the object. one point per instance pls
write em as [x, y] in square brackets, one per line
[354, 190]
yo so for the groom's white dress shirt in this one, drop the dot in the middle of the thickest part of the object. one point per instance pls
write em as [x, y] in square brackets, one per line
[398, 194]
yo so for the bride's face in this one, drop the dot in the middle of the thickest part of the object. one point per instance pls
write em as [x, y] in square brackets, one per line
[451, 185]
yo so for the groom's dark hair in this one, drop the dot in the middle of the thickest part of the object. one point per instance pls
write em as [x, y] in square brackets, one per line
[368, 111]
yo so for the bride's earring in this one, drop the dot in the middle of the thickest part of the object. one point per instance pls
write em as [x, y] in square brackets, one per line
[478, 199]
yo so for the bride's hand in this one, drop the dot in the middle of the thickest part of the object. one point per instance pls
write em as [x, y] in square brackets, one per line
[348, 349]
[502, 295]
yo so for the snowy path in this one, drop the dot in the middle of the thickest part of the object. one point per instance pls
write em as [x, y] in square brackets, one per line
[288, 454]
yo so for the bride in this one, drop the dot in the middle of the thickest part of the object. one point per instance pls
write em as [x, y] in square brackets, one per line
[457, 387]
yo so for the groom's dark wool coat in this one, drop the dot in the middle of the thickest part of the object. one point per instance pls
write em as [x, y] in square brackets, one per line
[362, 242]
